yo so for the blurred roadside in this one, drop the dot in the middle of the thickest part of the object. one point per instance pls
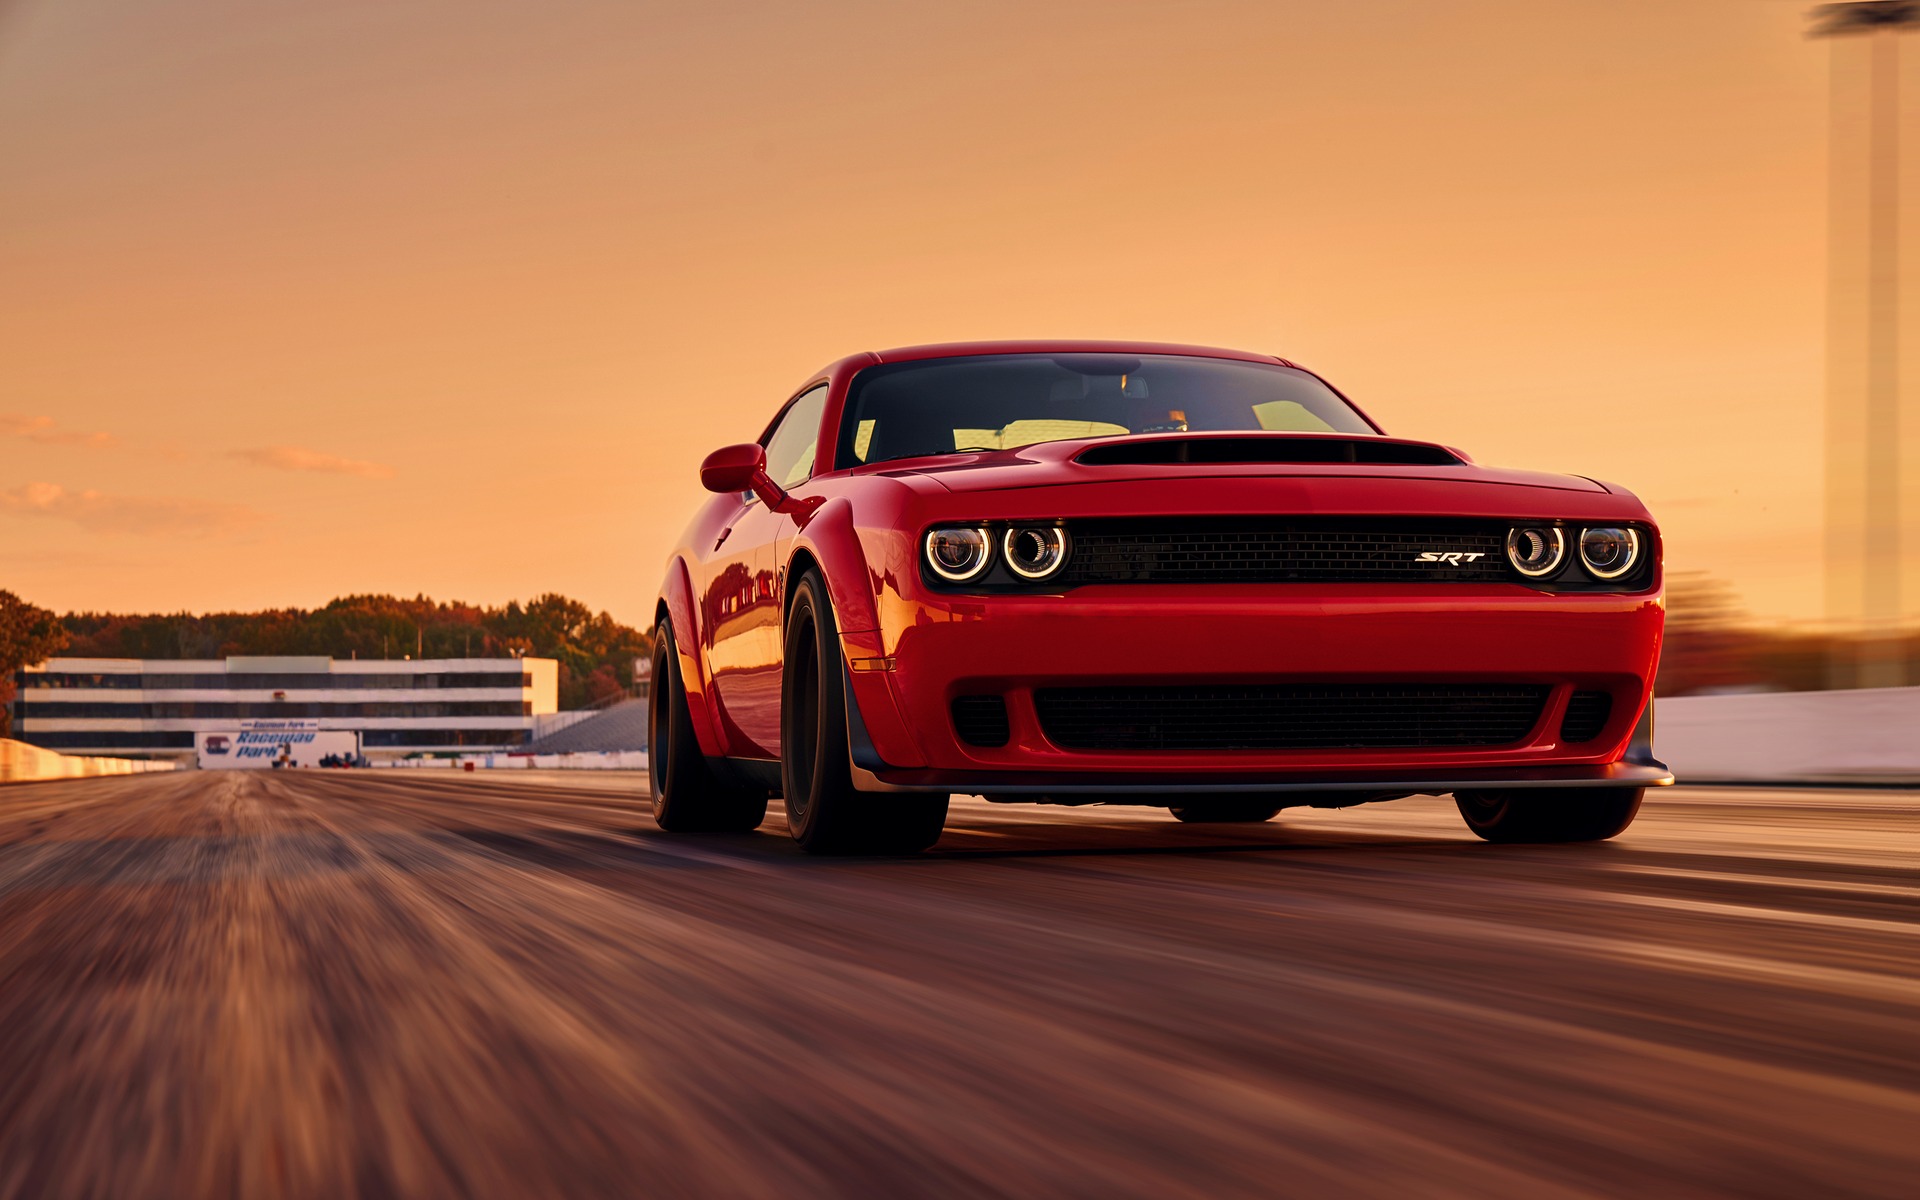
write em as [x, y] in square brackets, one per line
[1713, 647]
[1744, 701]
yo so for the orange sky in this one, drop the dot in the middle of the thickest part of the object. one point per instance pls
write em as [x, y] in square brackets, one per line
[302, 300]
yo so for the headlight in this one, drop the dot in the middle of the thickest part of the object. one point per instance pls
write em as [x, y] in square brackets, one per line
[1035, 551]
[1609, 551]
[959, 553]
[1536, 550]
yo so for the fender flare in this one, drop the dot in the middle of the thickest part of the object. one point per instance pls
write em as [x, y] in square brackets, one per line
[828, 538]
[877, 729]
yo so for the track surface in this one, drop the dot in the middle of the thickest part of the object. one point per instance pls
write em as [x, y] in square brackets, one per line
[373, 983]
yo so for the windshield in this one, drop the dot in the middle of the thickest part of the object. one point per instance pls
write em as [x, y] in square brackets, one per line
[1003, 401]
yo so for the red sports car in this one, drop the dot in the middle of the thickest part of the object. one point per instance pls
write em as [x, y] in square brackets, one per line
[1097, 572]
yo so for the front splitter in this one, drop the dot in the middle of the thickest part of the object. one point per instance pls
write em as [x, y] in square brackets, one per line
[1620, 774]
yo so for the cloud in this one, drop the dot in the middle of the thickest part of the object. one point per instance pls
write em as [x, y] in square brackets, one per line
[47, 432]
[98, 512]
[293, 458]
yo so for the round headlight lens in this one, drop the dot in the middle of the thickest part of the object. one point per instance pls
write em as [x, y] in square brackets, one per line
[959, 553]
[1035, 551]
[1609, 551]
[1536, 550]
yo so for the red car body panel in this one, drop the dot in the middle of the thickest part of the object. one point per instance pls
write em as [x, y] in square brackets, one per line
[861, 528]
[677, 604]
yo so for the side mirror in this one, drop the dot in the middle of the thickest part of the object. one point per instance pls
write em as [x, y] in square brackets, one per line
[733, 468]
[741, 468]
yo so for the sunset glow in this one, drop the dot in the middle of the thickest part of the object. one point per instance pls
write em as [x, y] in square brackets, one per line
[452, 298]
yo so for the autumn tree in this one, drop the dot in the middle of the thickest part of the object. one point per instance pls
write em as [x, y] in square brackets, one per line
[604, 685]
[28, 635]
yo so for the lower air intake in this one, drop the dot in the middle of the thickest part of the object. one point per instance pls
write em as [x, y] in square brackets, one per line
[1288, 716]
[981, 720]
[1587, 714]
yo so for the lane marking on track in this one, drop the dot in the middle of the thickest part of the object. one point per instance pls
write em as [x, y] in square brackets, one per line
[1779, 881]
[1782, 915]
[1691, 960]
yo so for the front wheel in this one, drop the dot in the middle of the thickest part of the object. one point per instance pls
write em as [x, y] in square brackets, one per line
[824, 812]
[1549, 814]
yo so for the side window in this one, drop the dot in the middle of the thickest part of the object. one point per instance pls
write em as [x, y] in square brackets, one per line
[791, 444]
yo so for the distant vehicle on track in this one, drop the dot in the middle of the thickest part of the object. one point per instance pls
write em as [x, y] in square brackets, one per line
[1086, 572]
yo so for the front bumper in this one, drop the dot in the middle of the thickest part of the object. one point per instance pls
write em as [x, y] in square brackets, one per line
[903, 737]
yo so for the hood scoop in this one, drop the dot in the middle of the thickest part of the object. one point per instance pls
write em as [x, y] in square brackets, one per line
[1261, 449]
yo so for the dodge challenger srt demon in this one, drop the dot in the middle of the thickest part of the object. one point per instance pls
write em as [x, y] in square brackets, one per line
[1097, 572]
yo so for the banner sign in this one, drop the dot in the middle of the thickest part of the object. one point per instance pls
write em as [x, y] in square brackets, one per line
[264, 743]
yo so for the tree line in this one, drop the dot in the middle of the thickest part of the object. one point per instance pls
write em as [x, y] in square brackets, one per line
[596, 653]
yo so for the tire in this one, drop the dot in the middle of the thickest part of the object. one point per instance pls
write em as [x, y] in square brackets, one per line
[1227, 811]
[824, 812]
[1549, 814]
[687, 796]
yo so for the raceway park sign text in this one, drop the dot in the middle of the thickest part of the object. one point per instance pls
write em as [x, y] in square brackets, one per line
[264, 739]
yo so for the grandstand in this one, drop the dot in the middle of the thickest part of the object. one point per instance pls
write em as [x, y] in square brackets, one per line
[622, 726]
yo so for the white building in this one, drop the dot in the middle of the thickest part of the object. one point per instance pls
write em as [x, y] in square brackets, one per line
[155, 706]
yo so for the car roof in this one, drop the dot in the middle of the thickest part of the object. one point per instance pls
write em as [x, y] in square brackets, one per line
[1066, 346]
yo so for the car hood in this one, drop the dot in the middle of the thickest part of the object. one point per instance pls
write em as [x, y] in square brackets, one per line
[1183, 457]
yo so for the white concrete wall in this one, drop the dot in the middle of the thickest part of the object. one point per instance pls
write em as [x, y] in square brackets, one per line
[21, 763]
[1868, 735]
[544, 690]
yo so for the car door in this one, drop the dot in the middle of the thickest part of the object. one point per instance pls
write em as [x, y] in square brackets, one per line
[741, 597]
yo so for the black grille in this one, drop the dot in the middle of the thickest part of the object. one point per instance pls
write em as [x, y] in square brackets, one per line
[1286, 550]
[1288, 716]
[981, 720]
[1587, 715]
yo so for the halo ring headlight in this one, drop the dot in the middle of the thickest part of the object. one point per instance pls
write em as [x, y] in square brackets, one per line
[1035, 551]
[1609, 551]
[958, 553]
[1536, 551]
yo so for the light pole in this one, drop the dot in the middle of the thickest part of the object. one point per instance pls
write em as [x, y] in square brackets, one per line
[1864, 560]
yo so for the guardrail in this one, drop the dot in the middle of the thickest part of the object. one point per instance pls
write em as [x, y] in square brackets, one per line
[21, 763]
